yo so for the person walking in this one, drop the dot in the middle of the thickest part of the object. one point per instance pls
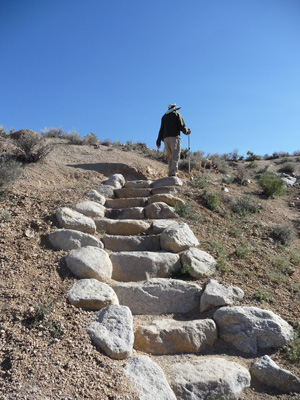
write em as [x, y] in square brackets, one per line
[172, 124]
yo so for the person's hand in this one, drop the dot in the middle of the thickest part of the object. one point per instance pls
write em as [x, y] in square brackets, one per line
[189, 131]
[158, 147]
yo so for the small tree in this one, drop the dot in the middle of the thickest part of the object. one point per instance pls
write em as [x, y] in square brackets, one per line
[271, 184]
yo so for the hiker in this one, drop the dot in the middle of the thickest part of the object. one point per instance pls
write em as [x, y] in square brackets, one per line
[172, 124]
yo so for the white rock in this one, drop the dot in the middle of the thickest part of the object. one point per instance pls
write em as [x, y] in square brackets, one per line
[96, 196]
[139, 266]
[210, 378]
[90, 208]
[201, 263]
[113, 331]
[177, 238]
[169, 181]
[289, 180]
[159, 210]
[165, 198]
[159, 296]
[216, 295]
[91, 294]
[106, 191]
[68, 239]
[168, 336]
[149, 379]
[116, 180]
[268, 372]
[71, 219]
[250, 328]
[159, 225]
[90, 262]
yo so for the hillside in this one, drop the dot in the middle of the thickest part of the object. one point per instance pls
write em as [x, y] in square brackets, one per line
[45, 350]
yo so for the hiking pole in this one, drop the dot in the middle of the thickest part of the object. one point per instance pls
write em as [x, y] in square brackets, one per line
[189, 141]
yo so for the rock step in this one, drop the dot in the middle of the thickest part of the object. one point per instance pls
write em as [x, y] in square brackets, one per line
[125, 213]
[132, 192]
[126, 202]
[132, 243]
[139, 184]
[142, 265]
[122, 227]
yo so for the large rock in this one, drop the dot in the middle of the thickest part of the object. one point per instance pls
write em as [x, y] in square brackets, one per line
[289, 180]
[165, 198]
[132, 243]
[122, 227]
[132, 192]
[159, 210]
[159, 296]
[168, 181]
[269, 373]
[106, 191]
[216, 295]
[90, 208]
[159, 225]
[140, 266]
[117, 181]
[149, 379]
[94, 195]
[138, 184]
[68, 239]
[126, 202]
[177, 238]
[125, 213]
[209, 378]
[70, 219]
[112, 332]
[201, 263]
[250, 328]
[167, 336]
[90, 262]
[91, 294]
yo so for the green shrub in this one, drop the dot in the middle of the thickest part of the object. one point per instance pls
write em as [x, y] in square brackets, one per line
[31, 148]
[284, 234]
[90, 139]
[242, 175]
[271, 185]
[242, 250]
[244, 205]
[288, 168]
[186, 210]
[53, 132]
[211, 200]
[73, 138]
[262, 296]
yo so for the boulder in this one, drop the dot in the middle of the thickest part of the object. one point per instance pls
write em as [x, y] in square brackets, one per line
[71, 219]
[126, 202]
[177, 238]
[217, 295]
[143, 265]
[269, 373]
[112, 332]
[159, 296]
[209, 378]
[148, 378]
[95, 196]
[201, 263]
[165, 198]
[90, 262]
[90, 208]
[167, 336]
[168, 181]
[117, 181]
[159, 210]
[107, 191]
[289, 180]
[91, 294]
[158, 226]
[251, 328]
[132, 243]
[125, 213]
[68, 239]
[124, 227]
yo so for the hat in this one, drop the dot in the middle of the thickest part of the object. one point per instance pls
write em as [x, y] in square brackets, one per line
[172, 107]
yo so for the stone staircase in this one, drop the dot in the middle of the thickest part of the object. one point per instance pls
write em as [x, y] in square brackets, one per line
[125, 245]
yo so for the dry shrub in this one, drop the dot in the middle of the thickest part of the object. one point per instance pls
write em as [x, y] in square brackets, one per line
[31, 148]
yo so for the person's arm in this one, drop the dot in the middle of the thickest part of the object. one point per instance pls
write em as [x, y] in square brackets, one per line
[182, 125]
[160, 135]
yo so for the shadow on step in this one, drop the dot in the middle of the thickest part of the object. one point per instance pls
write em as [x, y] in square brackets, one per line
[109, 169]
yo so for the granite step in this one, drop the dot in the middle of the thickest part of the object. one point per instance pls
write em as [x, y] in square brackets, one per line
[126, 202]
[125, 213]
[132, 243]
[132, 192]
[138, 184]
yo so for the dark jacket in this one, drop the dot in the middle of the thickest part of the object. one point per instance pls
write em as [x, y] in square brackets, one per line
[171, 125]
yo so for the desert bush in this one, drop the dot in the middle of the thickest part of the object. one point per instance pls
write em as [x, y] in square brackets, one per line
[31, 148]
[242, 250]
[9, 172]
[261, 296]
[244, 205]
[73, 138]
[211, 200]
[106, 142]
[252, 156]
[90, 139]
[3, 132]
[284, 234]
[296, 153]
[241, 175]
[271, 185]
[288, 168]
[220, 164]
[186, 210]
[53, 132]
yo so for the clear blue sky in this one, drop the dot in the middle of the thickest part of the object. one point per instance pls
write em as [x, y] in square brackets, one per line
[111, 67]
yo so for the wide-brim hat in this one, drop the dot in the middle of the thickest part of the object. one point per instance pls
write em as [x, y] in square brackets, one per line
[172, 107]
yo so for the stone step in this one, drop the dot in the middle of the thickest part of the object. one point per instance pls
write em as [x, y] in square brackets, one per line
[122, 227]
[138, 184]
[165, 189]
[132, 192]
[142, 265]
[159, 296]
[126, 202]
[132, 243]
[125, 213]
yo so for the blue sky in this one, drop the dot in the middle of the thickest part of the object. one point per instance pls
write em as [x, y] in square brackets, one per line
[111, 67]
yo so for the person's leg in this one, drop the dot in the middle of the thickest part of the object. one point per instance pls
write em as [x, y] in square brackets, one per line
[168, 148]
[176, 147]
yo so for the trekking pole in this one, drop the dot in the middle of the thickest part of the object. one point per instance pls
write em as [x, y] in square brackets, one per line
[189, 140]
